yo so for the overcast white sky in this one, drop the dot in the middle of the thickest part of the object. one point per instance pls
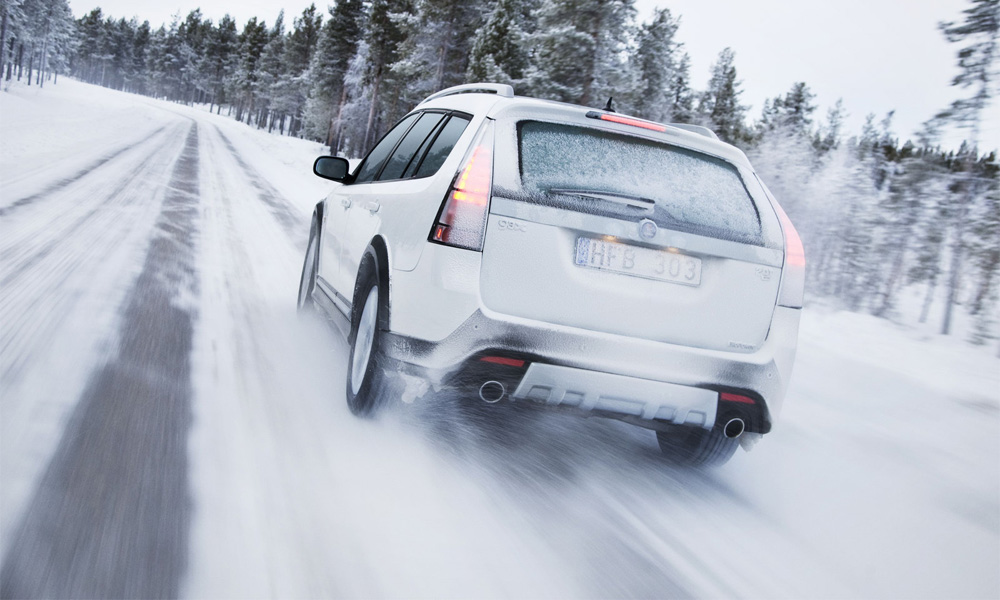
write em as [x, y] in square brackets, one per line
[878, 55]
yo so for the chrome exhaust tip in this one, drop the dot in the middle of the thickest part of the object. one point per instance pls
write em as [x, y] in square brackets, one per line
[734, 428]
[492, 392]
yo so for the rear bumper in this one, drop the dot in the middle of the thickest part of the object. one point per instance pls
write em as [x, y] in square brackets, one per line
[644, 381]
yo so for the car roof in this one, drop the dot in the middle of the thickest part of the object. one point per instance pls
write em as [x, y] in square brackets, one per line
[497, 104]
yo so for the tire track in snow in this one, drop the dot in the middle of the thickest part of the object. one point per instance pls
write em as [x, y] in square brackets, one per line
[290, 220]
[110, 515]
[87, 170]
[41, 253]
[27, 264]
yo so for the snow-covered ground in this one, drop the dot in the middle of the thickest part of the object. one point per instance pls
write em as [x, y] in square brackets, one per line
[881, 480]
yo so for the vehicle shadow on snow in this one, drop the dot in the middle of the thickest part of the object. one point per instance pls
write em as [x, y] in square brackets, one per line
[526, 444]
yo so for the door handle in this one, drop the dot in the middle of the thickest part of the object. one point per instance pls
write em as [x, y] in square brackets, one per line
[345, 202]
[373, 207]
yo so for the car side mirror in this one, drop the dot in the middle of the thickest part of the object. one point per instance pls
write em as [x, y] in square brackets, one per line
[332, 167]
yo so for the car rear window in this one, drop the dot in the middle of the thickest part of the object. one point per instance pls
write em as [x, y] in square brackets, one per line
[620, 176]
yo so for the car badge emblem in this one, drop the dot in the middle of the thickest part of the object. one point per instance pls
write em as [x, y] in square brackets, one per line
[647, 229]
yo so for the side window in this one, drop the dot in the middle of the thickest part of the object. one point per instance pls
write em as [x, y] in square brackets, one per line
[381, 150]
[442, 146]
[407, 149]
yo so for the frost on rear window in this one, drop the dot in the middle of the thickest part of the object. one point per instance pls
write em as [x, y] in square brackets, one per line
[677, 188]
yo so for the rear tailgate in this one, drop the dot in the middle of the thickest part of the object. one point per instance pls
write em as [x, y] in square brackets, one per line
[593, 229]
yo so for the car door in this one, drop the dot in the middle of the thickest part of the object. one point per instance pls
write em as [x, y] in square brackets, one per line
[382, 198]
[337, 211]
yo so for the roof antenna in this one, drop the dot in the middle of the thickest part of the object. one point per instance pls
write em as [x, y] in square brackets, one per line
[608, 106]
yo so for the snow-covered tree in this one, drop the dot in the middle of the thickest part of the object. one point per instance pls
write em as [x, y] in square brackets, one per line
[720, 104]
[656, 65]
[500, 49]
[336, 46]
[581, 49]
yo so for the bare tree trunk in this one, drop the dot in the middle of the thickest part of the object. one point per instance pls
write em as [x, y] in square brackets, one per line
[31, 62]
[3, 39]
[954, 276]
[333, 137]
[890, 285]
[43, 61]
[928, 299]
[371, 111]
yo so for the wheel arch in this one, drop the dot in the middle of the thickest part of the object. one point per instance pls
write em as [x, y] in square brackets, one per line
[380, 251]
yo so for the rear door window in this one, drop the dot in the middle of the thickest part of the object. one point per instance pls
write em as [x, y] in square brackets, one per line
[407, 149]
[442, 145]
[373, 162]
[620, 176]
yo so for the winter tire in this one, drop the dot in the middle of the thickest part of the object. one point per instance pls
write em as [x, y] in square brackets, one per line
[308, 281]
[694, 446]
[366, 378]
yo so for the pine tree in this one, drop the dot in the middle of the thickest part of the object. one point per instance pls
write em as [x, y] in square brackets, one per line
[270, 70]
[336, 46]
[828, 137]
[252, 40]
[720, 103]
[682, 97]
[656, 66]
[499, 51]
[977, 62]
[293, 86]
[580, 50]
[218, 64]
[384, 37]
[434, 53]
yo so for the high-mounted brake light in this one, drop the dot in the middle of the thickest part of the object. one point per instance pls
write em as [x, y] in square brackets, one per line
[461, 221]
[613, 118]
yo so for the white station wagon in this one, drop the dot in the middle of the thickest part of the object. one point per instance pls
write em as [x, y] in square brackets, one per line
[523, 250]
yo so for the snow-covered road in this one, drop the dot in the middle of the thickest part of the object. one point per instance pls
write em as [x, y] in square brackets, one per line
[170, 427]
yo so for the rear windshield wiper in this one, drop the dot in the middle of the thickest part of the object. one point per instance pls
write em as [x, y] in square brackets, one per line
[634, 201]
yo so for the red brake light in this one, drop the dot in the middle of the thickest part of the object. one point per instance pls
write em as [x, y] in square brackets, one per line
[795, 254]
[613, 118]
[500, 360]
[462, 219]
[726, 397]
[793, 278]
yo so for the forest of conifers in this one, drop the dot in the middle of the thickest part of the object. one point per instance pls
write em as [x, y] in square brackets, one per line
[895, 227]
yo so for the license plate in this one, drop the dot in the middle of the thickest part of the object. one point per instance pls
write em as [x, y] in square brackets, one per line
[661, 265]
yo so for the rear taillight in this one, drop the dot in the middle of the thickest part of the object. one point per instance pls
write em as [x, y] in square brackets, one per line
[727, 397]
[461, 221]
[793, 280]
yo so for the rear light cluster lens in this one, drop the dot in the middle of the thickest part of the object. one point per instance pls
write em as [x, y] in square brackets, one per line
[614, 118]
[462, 219]
[503, 360]
[727, 397]
[793, 281]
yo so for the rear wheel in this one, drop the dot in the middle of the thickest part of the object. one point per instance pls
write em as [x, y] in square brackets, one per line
[695, 446]
[307, 283]
[366, 377]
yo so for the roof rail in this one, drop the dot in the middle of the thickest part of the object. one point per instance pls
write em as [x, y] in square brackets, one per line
[500, 89]
[705, 131]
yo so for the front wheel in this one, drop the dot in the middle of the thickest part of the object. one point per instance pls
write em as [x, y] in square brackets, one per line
[366, 378]
[695, 446]
[307, 283]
